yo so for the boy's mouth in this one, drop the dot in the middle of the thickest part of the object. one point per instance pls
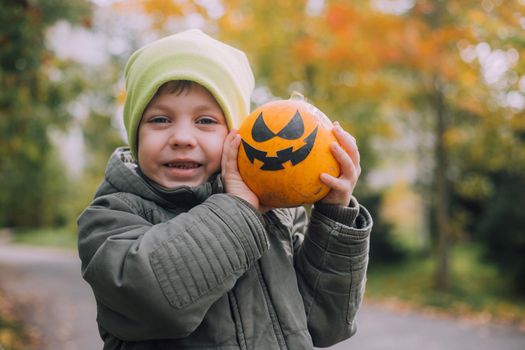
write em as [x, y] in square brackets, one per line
[183, 165]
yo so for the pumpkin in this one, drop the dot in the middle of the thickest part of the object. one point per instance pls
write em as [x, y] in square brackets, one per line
[284, 149]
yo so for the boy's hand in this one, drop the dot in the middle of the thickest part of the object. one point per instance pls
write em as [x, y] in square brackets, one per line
[347, 155]
[233, 183]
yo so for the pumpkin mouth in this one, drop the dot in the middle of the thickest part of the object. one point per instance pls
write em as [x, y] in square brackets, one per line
[283, 156]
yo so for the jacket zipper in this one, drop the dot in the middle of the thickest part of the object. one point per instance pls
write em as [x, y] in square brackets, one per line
[273, 315]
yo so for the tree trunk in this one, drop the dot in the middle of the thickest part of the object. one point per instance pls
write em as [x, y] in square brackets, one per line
[442, 197]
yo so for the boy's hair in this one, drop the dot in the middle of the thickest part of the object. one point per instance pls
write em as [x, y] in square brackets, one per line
[190, 56]
[176, 87]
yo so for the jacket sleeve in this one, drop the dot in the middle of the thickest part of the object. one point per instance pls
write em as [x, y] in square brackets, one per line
[158, 281]
[331, 263]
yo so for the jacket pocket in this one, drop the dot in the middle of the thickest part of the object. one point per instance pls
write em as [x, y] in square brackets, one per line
[237, 320]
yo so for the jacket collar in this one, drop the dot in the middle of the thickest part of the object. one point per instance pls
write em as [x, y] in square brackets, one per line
[124, 175]
[185, 196]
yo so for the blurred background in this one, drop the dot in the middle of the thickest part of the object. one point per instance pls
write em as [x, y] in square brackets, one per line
[433, 91]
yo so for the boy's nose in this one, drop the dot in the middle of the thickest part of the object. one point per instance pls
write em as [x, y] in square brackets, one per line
[182, 137]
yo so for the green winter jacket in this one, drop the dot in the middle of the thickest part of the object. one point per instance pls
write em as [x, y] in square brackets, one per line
[200, 269]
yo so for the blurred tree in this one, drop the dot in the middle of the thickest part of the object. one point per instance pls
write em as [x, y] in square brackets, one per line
[483, 116]
[100, 131]
[29, 103]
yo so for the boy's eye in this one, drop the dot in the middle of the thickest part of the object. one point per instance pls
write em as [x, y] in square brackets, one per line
[206, 120]
[159, 120]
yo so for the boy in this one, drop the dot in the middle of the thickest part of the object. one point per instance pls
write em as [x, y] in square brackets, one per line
[180, 257]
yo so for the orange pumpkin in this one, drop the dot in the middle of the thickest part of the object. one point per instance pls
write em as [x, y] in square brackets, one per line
[285, 147]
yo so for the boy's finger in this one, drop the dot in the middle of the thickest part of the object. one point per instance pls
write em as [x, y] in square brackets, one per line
[341, 156]
[230, 149]
[335, 184]
[348, 142]
[236, 142]
[346, 161]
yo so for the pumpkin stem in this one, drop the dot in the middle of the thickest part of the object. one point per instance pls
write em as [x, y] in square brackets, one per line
[296, 95]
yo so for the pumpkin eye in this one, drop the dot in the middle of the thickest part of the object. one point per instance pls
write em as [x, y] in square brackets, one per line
[260, 131]
[294, 129]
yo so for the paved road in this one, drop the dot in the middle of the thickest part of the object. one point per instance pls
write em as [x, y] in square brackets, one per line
[59, 305]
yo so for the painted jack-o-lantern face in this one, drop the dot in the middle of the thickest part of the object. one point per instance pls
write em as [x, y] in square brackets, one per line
[285, 148]
[294, 130]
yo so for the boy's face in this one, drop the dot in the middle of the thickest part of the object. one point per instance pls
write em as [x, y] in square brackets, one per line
[180, 138]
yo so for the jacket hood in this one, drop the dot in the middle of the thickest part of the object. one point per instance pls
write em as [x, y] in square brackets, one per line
[123, 175]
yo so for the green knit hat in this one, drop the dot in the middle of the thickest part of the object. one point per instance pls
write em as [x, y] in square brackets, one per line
[189, 55]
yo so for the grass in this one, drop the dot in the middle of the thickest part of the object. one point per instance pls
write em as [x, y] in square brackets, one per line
[46, 237]
[477, 291]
